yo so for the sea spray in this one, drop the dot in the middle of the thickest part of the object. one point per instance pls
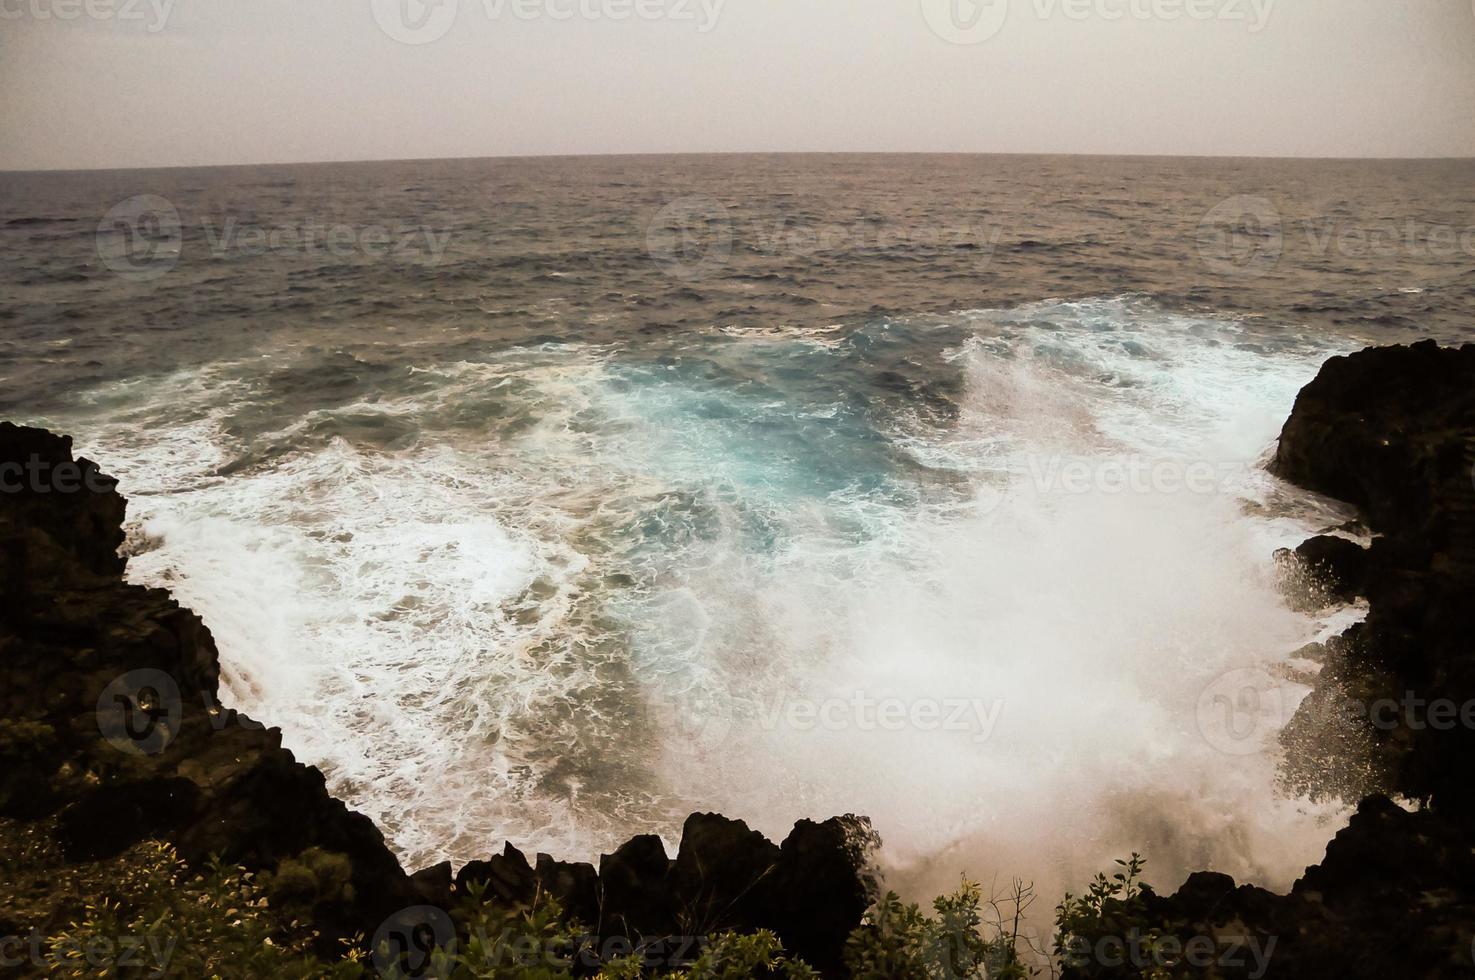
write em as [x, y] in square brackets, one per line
[554, 593]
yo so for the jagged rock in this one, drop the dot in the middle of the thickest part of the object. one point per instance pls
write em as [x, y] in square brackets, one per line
[69, 501]
[818, 902]
[73, 640]
[724, 875]
[1392, 898]
[575, 885]
[120, 679]
[1391, 430]
[110, 819]
[1338, 566]
[507, 876]
[636, 890]
[433, 885]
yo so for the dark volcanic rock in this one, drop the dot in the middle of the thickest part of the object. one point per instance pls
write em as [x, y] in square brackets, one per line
[110, 819]
[1392, 898]
[636, 887]
[1391, 430]
[727, 871]
[109, 708]
[122, 680]
[39, 474]
[577, 888]
[1336, 568]
[819, 898]
[506, 876]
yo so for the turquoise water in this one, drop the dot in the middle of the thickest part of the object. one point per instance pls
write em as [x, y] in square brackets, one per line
[557, 535]
[564, 593]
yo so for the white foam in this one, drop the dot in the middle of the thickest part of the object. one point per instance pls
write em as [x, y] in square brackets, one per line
[1096, 620]
[472, 640]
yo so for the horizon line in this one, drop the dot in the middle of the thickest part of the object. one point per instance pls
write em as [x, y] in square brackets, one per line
[737, 153]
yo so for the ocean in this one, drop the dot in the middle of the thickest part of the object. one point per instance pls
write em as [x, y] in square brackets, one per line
[551, 500]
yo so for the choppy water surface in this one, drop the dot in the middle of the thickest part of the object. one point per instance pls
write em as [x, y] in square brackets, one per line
[637, 486]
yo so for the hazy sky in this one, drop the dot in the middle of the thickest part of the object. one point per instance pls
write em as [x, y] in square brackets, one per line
[91, 83]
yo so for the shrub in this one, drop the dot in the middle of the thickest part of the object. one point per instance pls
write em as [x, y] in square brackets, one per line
[1112, 909]
[899, 942]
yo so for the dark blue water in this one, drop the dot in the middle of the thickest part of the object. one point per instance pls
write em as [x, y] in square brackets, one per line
[553, 499]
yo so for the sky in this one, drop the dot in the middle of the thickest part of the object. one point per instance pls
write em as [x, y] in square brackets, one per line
[135, 83]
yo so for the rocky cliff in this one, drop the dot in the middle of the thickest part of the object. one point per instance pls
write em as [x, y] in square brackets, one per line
[1392, 713]
[111, 732]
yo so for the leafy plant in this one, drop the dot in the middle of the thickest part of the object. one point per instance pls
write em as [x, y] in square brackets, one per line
[159, 920]
[726, 957]
[1113, 911]
[899, 942]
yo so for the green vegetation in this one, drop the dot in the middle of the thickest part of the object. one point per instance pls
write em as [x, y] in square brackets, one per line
[1113, 910]
[961, 941]
[145, 914]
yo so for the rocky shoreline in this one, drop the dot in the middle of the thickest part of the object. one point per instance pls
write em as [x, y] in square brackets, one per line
[1390, 430]
[112, 726]
[111, 732]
